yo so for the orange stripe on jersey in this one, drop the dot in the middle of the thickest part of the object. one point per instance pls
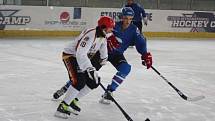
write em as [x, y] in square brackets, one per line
[86, 32]
[74, 77]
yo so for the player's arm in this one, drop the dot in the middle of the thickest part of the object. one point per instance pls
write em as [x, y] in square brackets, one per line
[83, 48]
[145, 20]
[141, 46]
[103, 53]
[140, 42]
[143, 12]
[113, 42]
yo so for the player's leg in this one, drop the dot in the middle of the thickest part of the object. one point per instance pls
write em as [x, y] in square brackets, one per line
[89, 86]
[123, 69]
[78, 78]
[95, 62]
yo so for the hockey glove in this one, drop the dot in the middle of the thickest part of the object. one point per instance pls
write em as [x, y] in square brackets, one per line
[147, 60]
[93, 75]
[112, 43]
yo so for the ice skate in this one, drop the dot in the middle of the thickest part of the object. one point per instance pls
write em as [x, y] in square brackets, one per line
[62, 111]
[74, 107]
[106, 98]
[59, 93]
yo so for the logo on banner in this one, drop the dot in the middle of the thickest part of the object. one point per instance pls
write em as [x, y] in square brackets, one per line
[117, 16]
[64, 17]
[114, 15]
[77, 13]
[67, 20]
[8, 17]
[198, 21]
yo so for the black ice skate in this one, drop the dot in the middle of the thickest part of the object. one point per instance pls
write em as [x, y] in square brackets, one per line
[62, 111]
[106, 97]
[59, 93]
[75, 109]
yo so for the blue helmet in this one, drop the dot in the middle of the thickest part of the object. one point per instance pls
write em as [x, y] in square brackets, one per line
[127, 11]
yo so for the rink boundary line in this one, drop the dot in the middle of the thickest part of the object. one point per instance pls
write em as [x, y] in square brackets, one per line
[190, 35]
[39, 33]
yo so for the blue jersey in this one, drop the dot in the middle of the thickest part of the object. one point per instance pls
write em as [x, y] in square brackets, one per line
[130, 36]
[139, 12]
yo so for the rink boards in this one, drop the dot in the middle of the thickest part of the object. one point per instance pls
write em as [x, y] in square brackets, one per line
[69, 21]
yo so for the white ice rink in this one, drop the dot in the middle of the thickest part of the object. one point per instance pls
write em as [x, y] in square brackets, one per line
[31, 70]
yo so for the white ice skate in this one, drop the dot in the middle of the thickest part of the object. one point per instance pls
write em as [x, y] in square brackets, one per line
[106, 98]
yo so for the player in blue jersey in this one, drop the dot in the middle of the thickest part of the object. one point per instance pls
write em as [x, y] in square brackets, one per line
[128, 34]
[139, 14]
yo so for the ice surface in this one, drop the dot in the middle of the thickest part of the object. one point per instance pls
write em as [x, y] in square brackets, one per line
[31, 70]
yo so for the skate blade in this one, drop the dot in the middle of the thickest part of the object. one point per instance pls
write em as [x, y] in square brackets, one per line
[61, 115]
[104, 101]
[74, 112]
[53, 99]
[56, 100]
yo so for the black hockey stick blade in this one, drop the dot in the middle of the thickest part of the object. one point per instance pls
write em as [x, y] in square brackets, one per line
[183, 96]
[147, 119]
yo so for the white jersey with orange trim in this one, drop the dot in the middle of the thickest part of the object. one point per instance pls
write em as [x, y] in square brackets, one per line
[86, 45]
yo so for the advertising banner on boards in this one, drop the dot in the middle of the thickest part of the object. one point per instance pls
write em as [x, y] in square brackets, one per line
[11, 17]
[77, 18]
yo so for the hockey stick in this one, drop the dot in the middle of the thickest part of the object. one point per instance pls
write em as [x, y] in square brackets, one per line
[177, 90]
[120, 108]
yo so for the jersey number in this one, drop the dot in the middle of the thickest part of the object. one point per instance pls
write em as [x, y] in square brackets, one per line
[83, 44]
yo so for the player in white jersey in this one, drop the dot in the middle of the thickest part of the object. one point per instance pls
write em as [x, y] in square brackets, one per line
[77, 59]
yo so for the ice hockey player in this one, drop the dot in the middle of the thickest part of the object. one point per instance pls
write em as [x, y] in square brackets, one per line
[129, 34]
[139, 14]
[77, 59]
